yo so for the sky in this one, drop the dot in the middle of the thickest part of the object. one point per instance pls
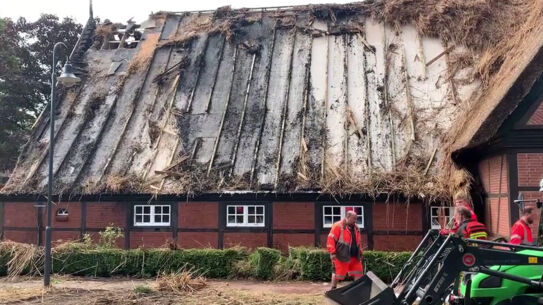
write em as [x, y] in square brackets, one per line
[122, 10]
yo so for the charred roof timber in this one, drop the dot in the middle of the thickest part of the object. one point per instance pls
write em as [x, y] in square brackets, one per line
[354, 98]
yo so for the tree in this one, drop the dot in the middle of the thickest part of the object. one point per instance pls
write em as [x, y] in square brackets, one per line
[25, 59]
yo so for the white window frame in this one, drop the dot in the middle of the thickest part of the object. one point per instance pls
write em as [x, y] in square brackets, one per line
[432, 217]
[343, 209]
[246, 215]
[152, 214]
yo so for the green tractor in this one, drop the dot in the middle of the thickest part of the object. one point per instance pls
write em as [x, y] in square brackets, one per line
[484, 289]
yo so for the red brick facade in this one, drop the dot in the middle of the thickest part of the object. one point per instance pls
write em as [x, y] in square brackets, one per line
[198, 224]
[397, 217]
[494, 176]
[530, 169]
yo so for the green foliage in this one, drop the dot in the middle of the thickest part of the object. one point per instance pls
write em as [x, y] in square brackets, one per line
[25, 64]
[109, 236]
[385, 264]
[263, 260]
[264, 263]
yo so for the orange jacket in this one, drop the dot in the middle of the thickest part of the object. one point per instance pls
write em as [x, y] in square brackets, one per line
[521, 233]
[339, 241]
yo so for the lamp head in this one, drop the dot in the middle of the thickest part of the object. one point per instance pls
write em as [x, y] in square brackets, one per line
[67, 77]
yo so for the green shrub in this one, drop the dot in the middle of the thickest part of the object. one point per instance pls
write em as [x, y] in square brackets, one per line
[109, 236]
[263, 260]
[301, 263]
[385, 264]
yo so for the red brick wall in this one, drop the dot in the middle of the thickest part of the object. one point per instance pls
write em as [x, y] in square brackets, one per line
[250, 240]
[492, 171]
[29, 237]
[537, 116]
[283, 241]
[489, 172]
[59, 237]
[530, 169]
[396, 242]
[74, 215]
[502, 225]
[293, 215]
[397, 217]
[20, 214]
[103, 214]
[189, 240]
[198, 215]
[150, 239]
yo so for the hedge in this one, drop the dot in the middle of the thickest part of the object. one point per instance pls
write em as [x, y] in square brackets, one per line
[264, 263]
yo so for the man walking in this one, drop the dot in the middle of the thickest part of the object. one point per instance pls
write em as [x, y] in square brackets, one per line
[521, 233]
[345, 249]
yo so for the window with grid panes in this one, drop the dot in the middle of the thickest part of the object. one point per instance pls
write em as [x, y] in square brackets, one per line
[335, 213]
[441, 216]
[152, 215]
[244, 215]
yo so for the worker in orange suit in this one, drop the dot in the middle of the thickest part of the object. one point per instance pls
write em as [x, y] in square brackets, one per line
[345, 251]
[521, 233]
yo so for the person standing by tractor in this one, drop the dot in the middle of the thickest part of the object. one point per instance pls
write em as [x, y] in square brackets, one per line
[521, 233]
[345, 248]
[461, 199]
[469, 228]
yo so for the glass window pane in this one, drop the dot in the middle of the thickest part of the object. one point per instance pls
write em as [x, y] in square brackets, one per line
[251, 219]
[138, 209]
[327, 210]
[336, 218]
[231, 210]
[138, 218]
[146, 218]
[166, 209]
[259, 219]
[231, 219]
[260, 210]
[158, 209]
[328, 220]
[358, 210]
[239, 219]
[147, 209]
[359, 220]
[336, 210]
[239, 209]
[166, 218]
[251, 210]
[157, 218]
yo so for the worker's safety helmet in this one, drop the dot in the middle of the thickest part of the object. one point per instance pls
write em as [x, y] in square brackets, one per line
[541, 185]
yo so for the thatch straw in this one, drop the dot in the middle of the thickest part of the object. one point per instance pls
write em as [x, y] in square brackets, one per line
[185, 280]
[25, 258]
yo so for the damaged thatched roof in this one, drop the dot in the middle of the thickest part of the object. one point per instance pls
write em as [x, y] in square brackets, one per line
[356, 98]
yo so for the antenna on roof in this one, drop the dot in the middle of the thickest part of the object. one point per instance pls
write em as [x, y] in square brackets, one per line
[90, 9]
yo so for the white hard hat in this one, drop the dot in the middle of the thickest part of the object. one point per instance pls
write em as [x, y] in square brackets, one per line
[541, 185]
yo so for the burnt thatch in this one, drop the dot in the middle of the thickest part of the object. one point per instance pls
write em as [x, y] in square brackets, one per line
[355, 98]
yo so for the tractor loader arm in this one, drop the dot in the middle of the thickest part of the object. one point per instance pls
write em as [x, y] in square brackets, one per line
[433, 268]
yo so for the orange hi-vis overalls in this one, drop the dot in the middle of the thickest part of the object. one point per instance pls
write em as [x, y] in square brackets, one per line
[339, 244]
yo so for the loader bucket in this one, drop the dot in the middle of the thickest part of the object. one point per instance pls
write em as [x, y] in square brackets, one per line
[369, 289]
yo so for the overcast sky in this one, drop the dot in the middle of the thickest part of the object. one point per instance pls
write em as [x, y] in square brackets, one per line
[122, 10]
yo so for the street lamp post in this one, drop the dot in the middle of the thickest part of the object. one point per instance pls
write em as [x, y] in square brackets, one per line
[68, 79]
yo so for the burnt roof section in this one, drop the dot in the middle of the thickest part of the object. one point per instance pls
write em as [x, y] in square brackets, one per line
[328, 98]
